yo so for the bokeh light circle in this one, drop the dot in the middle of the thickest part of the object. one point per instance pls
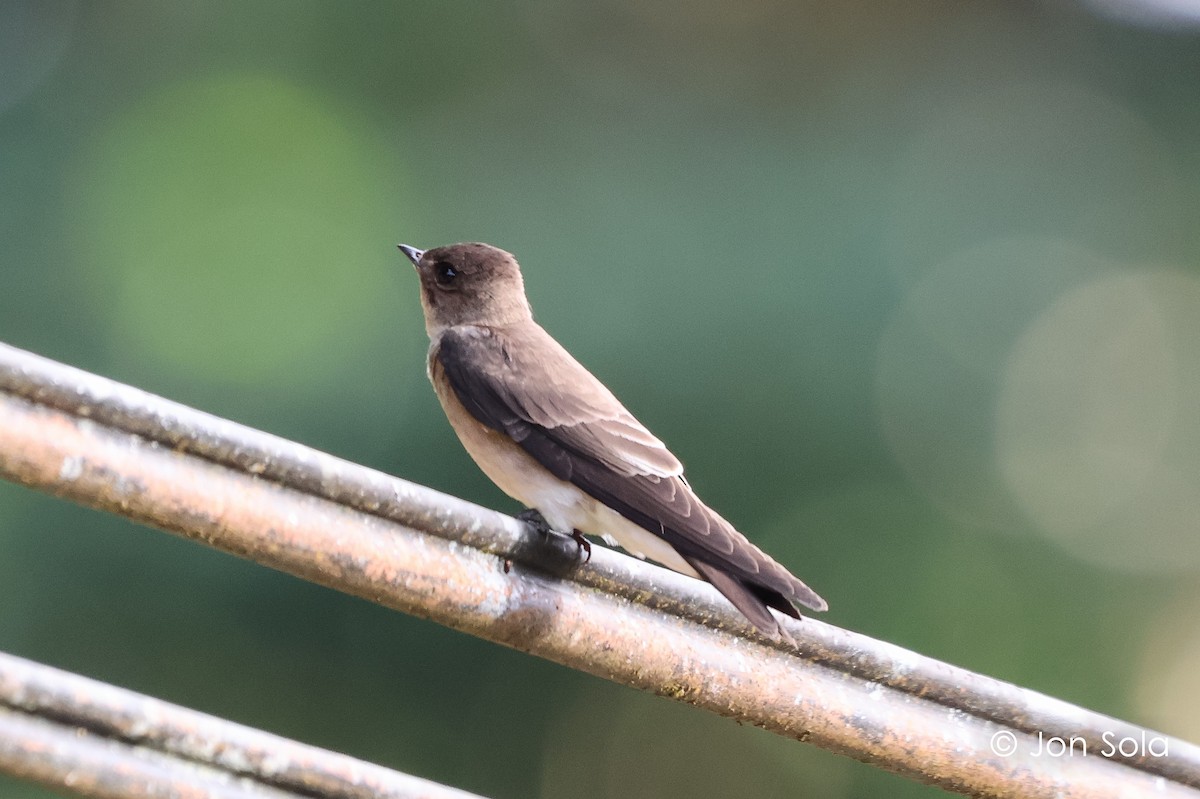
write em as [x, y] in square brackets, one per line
[1166, 692]
[235, 226]
[1096, 432]
[940, 360]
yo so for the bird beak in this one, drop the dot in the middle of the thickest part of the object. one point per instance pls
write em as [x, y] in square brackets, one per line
[413, 253]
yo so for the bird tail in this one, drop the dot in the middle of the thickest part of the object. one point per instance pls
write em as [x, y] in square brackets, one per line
[753, 601]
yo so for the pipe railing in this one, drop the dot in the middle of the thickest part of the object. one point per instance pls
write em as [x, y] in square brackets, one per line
[402, 545]
[71, 733]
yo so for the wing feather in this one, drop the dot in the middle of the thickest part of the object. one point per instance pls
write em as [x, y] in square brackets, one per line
[523, 383]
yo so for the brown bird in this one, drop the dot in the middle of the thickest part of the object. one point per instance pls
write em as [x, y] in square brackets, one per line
[551, 436]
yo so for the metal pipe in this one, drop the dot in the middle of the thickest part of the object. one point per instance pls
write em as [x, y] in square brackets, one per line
[72, 733]
[425, 553]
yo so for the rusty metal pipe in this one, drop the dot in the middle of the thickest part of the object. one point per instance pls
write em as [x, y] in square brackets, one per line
[72, 733]
[405, 546]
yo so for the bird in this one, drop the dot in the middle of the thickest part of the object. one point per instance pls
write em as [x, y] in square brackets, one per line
[551, 435]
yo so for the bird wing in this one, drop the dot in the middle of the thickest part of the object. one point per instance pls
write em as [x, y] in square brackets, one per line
[521, 382]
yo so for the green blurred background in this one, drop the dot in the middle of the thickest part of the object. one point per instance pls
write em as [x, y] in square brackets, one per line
[913, 290]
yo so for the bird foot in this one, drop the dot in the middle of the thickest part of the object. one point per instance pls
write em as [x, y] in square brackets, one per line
[534, 518]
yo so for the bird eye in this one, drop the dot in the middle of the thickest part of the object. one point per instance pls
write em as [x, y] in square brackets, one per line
[444, 274]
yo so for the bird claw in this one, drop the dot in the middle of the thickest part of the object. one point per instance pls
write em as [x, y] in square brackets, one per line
[585, 546]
